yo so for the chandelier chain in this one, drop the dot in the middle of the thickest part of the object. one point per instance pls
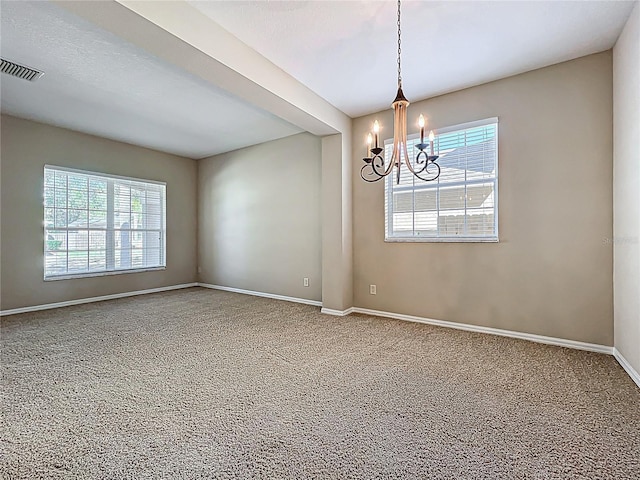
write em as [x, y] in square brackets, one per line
[399, 49]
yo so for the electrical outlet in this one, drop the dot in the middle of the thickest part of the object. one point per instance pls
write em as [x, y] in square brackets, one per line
[372, 289]
[199, 269]
[305, 281]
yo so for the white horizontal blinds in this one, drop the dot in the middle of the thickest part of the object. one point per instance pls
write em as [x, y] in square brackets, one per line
[138, 224]
[461, 203]
[98, 223]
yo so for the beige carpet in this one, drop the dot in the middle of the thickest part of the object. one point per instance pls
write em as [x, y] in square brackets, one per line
[206, 384]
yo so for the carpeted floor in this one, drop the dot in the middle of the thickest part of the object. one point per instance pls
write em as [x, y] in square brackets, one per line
[206, 384]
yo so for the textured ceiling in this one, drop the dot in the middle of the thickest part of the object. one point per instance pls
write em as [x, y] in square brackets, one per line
[346, 50]
[97, 83]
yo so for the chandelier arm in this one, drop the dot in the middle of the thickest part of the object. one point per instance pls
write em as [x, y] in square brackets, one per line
[392, 163]
[367, 179]
[375, 167]
[419, 161]
[401, 137]
[371, 166]
[395, 154]
[425, 168]
[409, 163]
[435, 176]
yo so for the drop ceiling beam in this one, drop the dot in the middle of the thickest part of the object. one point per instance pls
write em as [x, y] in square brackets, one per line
[179, 34]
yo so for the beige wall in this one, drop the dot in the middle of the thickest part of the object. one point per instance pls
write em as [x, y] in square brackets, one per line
[551, 273]
[25, 148]
[626, 190]
[259, 218]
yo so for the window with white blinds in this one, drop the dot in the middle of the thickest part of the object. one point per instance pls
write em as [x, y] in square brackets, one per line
[99, 224]
[462, 204]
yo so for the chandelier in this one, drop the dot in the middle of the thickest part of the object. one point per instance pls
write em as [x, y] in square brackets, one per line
[374, 165]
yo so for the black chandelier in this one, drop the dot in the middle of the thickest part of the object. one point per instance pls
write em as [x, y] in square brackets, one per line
[374, 166]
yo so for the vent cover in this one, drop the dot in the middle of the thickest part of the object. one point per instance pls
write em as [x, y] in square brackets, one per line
[20, 71]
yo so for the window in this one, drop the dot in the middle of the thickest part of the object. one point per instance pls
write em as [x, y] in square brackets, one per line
[99, 224]
[462, 204]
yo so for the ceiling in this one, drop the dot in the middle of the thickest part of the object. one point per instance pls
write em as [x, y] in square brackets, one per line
[345, 51]
[99, 84]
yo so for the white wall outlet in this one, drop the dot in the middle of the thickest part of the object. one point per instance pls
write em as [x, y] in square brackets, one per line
[372, 289]
[305, 281]
[199, 269]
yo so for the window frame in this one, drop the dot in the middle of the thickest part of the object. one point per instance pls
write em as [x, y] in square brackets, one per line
[388, 187]
[114, 271]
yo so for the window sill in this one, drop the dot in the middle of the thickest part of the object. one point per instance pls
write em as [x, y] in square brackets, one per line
[71, 276]
[441, 240]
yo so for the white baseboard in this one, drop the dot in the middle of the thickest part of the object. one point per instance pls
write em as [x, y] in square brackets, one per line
[48, 306]
[337, 313]
[635, 376]
[315, 303]
[561, 342]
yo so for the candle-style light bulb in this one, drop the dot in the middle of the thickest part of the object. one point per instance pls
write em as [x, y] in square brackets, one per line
[376, 129]
[431, 137]
[421, 124]
[369, 141]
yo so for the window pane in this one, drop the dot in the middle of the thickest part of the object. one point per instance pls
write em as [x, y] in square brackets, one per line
[49, 196]
[97, 260]
[137, 258]
[403, 202]
[153, 222]
[77, 182]
[152, 257]
[78, 261]
[426, 223]
[49, 217]
[123, 238]
[123, 258]
[97, 219]
[77, 218]
[60, 180]
[122, 220]
[480, 221]
[55, 263]
[152, 240]
[78, 240]
[122, 198]
[56, 240]
[78, 199]
[403, 222]
[451, 225]
[97, 194]
[425, 200]
[61, 218]
[97, 240]
[49, 179]
[61, 198]
[452, 198]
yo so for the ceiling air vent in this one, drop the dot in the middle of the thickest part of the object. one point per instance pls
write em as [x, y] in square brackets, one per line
[20, 71]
